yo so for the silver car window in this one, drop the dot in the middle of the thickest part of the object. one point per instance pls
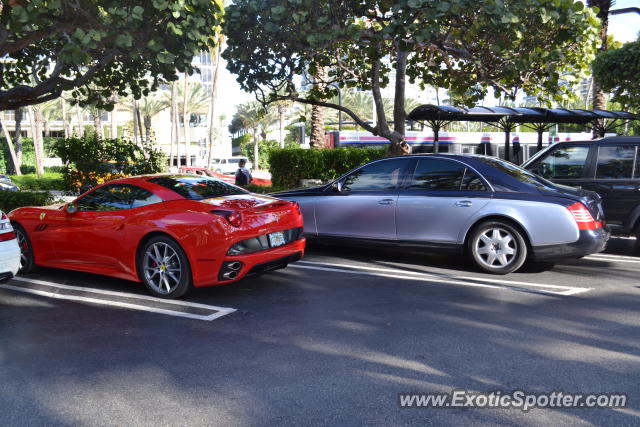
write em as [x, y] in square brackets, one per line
[384, 175]
[437, 174]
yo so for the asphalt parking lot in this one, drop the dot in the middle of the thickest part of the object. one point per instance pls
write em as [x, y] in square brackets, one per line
[332, 339]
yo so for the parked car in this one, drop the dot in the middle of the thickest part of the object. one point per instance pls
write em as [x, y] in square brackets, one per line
[228, 165]
[497, 212]
[170, 232]
[608, 166]
[9, 249]
[7, 184]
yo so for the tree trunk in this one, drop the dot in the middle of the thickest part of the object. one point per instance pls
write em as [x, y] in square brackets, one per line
[281, 120]
[80, 122]
[185, 119]
[399, 113]
[12, 151]
[134, 112]
[174, 124]
[214, 94]
[139, 121]
[36, 119]
[175, 135]
[317, 116]
[147, 128]
[47, 129]
[18, 114]
[599, 97]
[97, 124]
[113, 133]
[65, 123]
[256, 160]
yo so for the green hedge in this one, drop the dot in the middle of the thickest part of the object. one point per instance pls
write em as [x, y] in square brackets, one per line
[49, 181]
[9, 200]
[289, 166]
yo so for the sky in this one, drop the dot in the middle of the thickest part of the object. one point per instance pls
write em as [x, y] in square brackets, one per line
[624, 28]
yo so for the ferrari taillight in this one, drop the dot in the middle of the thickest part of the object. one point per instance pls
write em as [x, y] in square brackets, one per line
[583, 217]
[234, 218]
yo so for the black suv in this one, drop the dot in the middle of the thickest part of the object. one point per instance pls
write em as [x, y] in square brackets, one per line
[609, 166]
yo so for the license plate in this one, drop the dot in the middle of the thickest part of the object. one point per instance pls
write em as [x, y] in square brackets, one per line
[276, 239]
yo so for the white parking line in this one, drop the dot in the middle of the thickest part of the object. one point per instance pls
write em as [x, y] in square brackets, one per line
[454, 280]
[613, 258]
[217, 312]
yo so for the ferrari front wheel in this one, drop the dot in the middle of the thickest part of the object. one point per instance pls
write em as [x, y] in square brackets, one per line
[27, 260]
[164, 268]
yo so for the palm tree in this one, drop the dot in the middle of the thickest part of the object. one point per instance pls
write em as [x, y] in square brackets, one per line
[173, 104]
[215, 53]
[80, 119]
[51, 111]
[250, 116]
[12, 151]
[195, 97]
[148, 107]
[18, 116]
[604, 6]
[317, 114]
[37, 121]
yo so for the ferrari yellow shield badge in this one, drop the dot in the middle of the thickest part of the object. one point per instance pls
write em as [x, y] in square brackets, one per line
[42, 215]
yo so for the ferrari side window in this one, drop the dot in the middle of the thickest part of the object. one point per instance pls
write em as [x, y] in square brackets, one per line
[116, 197]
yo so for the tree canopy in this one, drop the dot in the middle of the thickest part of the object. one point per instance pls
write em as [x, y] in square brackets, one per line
[94, 48]
[465, 46]
[617, 72]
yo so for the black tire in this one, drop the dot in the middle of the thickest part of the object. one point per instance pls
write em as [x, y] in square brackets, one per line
[500, 253]
[159, 261]
[27, 260]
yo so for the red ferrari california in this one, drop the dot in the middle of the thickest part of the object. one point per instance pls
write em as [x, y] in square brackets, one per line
[170, 232]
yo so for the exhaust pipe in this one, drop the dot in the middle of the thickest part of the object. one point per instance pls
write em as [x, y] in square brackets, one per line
[235, 266]
[230, 275]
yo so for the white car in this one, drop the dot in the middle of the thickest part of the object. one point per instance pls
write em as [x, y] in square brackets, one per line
[228, 165]
[10, 256]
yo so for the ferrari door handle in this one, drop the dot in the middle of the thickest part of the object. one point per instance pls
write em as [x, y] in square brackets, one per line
[385, 202]
[463, 203]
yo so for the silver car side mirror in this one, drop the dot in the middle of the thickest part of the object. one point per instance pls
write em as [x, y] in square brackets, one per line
[337, 187]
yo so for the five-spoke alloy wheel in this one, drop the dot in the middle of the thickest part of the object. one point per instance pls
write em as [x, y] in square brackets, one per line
[497, 247]
[27, 262]
[164, 268]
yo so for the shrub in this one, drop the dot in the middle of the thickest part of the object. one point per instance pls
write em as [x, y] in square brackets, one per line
[49, 181]
[289, 166]
[91, 160]
[262, 189]
[10, 200]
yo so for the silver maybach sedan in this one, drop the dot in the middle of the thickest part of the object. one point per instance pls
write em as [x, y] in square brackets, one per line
[497, 212]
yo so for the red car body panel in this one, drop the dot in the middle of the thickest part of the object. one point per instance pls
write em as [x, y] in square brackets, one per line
[107, 242]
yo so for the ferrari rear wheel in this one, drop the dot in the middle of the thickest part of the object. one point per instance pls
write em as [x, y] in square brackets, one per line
[164, 268]
[27, 261]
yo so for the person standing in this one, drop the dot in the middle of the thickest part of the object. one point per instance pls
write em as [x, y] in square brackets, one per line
[243, 175]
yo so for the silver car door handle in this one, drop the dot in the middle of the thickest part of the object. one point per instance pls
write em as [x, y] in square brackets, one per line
[463, 203]
[385, 202]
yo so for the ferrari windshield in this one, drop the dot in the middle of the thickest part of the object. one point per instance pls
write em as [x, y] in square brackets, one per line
[197, 187]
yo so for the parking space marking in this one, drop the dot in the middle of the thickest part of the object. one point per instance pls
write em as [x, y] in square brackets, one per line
[454, 280]
[614, 258]
[99, 296]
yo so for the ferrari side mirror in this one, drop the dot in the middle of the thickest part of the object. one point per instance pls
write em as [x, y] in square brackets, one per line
[71, 208]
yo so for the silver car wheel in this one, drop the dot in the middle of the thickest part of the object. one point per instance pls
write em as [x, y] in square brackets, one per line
[162, 268]
[496, 248]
